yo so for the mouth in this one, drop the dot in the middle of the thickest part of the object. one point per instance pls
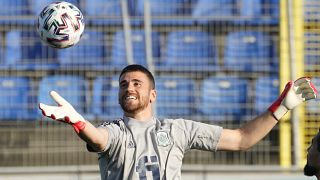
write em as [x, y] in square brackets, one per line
[130, 97]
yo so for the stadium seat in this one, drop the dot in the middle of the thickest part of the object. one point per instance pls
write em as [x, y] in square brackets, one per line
[250, 51]
[16, 100]
[166, 12]
[190, 50]
[266, 92]
[39, 5]
[224, 98]
[73, 88]
[105, 12]
[90, 52]
[258, 12]
[105, 104]
[312, 51]
[24, 50]
[15, 12]
[118, 57]
[175, 97]
[206, 11]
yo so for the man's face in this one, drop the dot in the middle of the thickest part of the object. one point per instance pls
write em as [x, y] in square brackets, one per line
[313, 158]
[135, 92]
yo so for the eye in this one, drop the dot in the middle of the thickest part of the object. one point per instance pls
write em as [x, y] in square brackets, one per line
[137, 84]
[123, 85]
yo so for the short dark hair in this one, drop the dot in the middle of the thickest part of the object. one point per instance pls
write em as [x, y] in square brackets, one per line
[140, 68]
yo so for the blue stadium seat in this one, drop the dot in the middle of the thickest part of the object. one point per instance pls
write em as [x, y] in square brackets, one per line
[24, 50]
[312, 51]
[190, 50]
[314, 105]
[105, 12]
[73, 88]
[38, 5]
[166, 12]
[250, 51]
[206, 11]
[118, 57]
[90, 52]
[14, 12]
[224, 98]
[105, 104]
[175, 96]
[266, 92]
[16, 100]
[258, 12]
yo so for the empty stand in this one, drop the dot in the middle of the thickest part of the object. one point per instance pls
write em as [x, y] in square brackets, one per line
[105, 98]
[312, 53]
[24, 50]
[190, 50]
[250, 51]
[266, 92]
[206, 11]
[73, 88]
[105, 12]
[36, 6]
[257, 12]
[15, 12]
[175, 97]
[90, 52]
[119, 56]
[311, 11]
[223, 98]
[16, 99]
[166, 12]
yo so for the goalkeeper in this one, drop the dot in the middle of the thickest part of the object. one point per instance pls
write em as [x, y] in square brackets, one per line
[139, 146]
[312, 167]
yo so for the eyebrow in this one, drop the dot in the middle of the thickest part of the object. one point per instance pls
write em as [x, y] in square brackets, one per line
[134, 80]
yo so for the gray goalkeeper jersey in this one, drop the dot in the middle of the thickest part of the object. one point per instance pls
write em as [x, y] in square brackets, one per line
[152, 150]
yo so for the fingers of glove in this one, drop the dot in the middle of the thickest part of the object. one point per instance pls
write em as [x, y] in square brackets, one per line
[58, 99]
[301, 80]
[308, 96]
[47, 110]
[307, 87]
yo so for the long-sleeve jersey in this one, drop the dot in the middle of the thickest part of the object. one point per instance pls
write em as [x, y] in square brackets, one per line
[153, 149]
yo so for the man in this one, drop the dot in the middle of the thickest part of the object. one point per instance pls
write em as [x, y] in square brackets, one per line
[139, 146]
[312, 168]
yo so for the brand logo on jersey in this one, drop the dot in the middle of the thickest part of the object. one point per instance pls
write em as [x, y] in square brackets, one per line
[163, 138]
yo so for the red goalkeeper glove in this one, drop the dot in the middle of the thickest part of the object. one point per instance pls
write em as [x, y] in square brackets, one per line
[64, 112]
[294, 94]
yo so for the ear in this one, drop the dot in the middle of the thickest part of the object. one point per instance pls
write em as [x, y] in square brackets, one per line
[153, 95]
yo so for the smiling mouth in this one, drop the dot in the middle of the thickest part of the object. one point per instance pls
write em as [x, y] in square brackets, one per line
[127, 98]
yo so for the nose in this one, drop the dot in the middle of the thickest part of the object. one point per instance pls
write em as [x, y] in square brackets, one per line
[130, 87]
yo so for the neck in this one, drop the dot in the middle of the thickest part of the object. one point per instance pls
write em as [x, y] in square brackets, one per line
[318, 175]
[141, 116]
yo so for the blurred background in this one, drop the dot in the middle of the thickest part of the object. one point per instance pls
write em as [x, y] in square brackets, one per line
[216, 61]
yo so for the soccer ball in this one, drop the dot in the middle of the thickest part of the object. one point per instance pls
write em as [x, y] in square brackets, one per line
[60, 25]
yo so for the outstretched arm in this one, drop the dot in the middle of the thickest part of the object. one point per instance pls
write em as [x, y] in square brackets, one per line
[252, 132]
[97, 138]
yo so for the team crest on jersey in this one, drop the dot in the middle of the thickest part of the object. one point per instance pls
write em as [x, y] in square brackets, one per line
[163, 138]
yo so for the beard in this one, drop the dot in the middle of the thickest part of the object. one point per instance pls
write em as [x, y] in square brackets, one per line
[133, 108]
[309, 170]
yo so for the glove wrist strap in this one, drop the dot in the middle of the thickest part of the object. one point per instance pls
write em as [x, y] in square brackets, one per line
[79, 126]
[279, 112]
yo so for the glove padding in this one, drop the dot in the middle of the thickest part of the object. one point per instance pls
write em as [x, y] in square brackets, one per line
[64, 112]
[294, 94]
